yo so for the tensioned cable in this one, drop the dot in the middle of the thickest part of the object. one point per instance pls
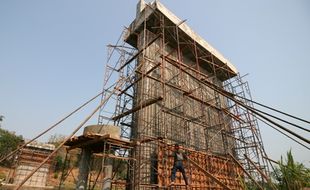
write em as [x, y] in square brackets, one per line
[50, 128]
[302, 128]
[260, 119]
[279, 132]
[121, 82]
[273, 109]
[118, 85]
[231, 97]
[267, 119]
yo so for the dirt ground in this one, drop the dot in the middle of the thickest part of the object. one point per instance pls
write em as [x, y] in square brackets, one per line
[52, 181]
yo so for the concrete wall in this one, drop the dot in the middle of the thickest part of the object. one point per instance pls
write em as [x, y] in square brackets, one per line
[38, 178]
[164, 119]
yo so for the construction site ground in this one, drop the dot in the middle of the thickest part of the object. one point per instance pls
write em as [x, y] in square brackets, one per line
[52, 182]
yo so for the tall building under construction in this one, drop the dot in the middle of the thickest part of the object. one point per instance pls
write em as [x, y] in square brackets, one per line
[164, 86]
[170, 86]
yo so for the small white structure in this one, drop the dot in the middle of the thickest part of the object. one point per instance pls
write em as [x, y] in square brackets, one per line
[29, 158]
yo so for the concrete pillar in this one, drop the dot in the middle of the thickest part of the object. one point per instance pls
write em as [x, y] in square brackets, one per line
[140, 7]
[83, 169]
[108, 168]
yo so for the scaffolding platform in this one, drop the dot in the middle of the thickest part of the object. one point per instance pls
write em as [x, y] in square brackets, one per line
[98, 143]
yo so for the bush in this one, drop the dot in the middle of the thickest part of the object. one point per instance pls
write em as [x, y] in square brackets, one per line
[8, 143]
[56, 175]
[58, 163]
[291, 175]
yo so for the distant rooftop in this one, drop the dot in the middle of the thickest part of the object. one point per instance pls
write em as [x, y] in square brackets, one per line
[39, 145]
[147, 12]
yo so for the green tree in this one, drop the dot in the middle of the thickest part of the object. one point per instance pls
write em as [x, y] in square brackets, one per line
[58, 163]
[56, 139]
[1, 119]
[8, 142]
[59, 160]
[291, 175]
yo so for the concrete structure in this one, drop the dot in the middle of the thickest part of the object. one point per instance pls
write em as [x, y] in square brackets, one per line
[27, 160]
[166, 39]
[182, 46]
[97, 141]
[84, 169]
[168, 85]
[177, 93]
[87, 151]
[111, 130]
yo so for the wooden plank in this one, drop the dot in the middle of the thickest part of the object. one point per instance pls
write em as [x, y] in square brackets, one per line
[88, 142]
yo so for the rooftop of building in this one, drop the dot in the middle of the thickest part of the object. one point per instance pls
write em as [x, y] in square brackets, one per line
[149, 12]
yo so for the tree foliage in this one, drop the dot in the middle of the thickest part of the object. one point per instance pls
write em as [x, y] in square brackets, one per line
[1, 119]
[292, 175]
[56, 139]
[58, 163]
[8, 142]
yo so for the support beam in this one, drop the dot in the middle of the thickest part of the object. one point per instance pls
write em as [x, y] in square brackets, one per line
[209, 175]
[261, 172]
[203, 124]
[249, 175]
[148, 72]
[108, 169]
[138, 53]
[238, 139]
[140, 106]
[184, 92]
[252, 109]
[89, 142]
[188, 94]
[83, 169]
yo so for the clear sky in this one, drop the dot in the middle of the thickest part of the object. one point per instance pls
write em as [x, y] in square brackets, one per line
[53, 53]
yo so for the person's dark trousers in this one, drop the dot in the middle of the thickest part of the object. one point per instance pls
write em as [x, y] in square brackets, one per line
[178, 165]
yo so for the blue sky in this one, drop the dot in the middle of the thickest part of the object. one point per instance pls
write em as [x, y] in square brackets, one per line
[53, 53]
